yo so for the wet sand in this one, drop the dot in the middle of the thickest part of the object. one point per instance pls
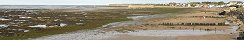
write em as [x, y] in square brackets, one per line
[189, 35]
[128, 37]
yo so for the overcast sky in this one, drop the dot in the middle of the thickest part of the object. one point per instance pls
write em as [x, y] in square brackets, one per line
[92, 2]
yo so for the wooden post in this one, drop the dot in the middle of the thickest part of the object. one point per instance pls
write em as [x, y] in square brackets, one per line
[191, 23]
[216, 24]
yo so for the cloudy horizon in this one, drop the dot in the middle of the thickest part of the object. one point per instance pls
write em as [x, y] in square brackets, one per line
[96, 2]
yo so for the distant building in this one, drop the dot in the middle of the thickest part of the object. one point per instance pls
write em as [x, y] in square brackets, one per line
[3, 25]
[39, 26]
[210, 6]
[141, 6]
[220, 6]
[235, 3]
[25, 17]
[21, 20]
[4, 19]
[232, 8]
[62, 24]
[188, 5]
[79, 23]
[205, 6]
[119, 4]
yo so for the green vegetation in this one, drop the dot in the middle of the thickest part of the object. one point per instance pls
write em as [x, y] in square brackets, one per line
[97, 22]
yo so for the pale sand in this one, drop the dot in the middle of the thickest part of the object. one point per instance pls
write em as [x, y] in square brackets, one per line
[206, 37]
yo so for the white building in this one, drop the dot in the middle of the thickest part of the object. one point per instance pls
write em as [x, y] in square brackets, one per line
[39, 26]
[21, 20]
[220, 6]
[25, 17]
[235, 3]
[62, 24]
[4, 19]
[210, 6]
[79, 23]
[3, 25]
[141, 6]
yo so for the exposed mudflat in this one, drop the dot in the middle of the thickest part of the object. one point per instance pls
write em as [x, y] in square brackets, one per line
[99, 34]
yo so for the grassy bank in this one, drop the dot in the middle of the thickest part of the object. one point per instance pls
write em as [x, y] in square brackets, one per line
[94, 23]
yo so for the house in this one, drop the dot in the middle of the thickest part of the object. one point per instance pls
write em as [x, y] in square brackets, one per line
[4, 19]
[26, 30]
[210, 6]
[188, 5]
[3, 25]
[79, 23]
[38, 26]
[205, 6]
[227, 22]
[25, 17]
[141, 6]
[234, 3]
[197, 5]
[220, 5]
[232, 8]
[20, 20]
[62, 24]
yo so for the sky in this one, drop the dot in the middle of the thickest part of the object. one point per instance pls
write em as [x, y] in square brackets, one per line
[95, 2]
